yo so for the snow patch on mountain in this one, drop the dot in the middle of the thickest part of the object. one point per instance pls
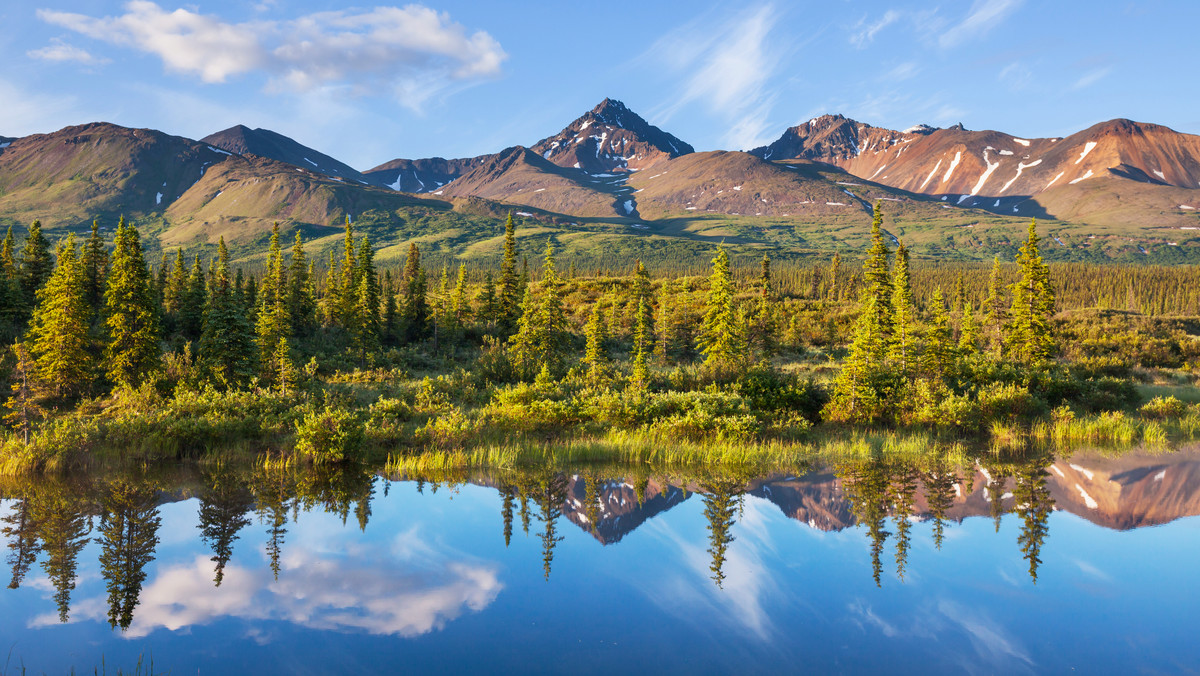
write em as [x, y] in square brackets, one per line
[953, 166]
[1087, 148]
[987, 173]
[1021, 166]
[931, 175]
[1084, 177]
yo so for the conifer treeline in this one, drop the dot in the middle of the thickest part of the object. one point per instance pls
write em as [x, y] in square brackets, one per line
[98, 319]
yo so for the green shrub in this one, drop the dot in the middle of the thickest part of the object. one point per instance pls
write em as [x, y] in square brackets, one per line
[331, 435]
[1163, 408]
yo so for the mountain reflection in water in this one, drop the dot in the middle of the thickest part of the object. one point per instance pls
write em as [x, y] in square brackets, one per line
[272, 548]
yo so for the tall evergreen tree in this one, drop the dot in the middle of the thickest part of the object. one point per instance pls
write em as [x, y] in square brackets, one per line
[939, 339]
[191, 311]
[390, 320]
[95, 265]
[274, 319]
[347, 287]
[763, 327]
[835, 267]
[36, 263]
[130, 316]
[643, 338]
[595, 357]
[968, 340]
[226, 341]
[58, 332]
[903, 351]
[720, 338]
[460, 306]
[995, 310]
[301, 296]
[415, 309]
[1027, 334]
[541, 338]
[510, 288]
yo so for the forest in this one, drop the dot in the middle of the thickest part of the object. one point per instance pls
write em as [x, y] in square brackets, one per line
[324, 357]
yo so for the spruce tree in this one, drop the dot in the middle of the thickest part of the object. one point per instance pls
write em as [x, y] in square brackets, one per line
[995, 309]
[301, 296]
[642, 345]
[274, 320]
[175, 294]
[859, 392]
[12, 300]
[58, 331]
[968, 341]
[226, 341]
[36, 263]
[903, 353]
[347, 286]
[95, 265]
[541, 338]
[191, 311]
[939, 339]
[415, 310]
[878, 283]
[1027, 334]
[23, 405]
[595, 357]
[130, 316]
[488, 304]
[460, 306]
[720, 338]
[510, 287]
[763, 328]
[835, 267]
[390, 320]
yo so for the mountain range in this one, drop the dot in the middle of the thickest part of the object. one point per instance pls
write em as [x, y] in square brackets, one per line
[610, 182]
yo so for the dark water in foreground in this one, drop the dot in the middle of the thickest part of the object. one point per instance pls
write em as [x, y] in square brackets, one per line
[1084, 563]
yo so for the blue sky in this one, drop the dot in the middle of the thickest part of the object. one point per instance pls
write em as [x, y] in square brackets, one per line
[458, 78]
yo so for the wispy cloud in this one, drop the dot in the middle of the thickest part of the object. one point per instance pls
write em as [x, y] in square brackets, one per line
[1091, 77]
[59, 51]
[728, 69]
[865, 32]
[983, 16]
[411, 51]
[902, 71]
[1015, 75]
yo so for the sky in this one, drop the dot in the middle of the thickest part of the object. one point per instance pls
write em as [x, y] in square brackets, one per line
[458, 78]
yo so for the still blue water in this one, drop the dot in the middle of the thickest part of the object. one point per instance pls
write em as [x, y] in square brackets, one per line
[411, 579]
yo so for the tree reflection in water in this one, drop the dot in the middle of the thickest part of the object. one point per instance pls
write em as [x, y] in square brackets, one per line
[51, 519]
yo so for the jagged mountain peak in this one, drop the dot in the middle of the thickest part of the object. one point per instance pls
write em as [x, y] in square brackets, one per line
[610, 137]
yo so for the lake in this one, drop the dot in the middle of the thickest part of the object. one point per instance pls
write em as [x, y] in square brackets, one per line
[1079, 562]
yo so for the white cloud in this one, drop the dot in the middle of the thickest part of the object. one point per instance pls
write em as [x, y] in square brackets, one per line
[1090, 78]
[396, 591]
[983, 16]
[61, 52]
[728, 70]
[866, 32]
[393, 47]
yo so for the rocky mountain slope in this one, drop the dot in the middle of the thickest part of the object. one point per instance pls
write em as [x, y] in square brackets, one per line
[242, 140]
[1058, 177]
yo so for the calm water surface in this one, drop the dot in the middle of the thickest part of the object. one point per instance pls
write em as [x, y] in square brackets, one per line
[1084, 563]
